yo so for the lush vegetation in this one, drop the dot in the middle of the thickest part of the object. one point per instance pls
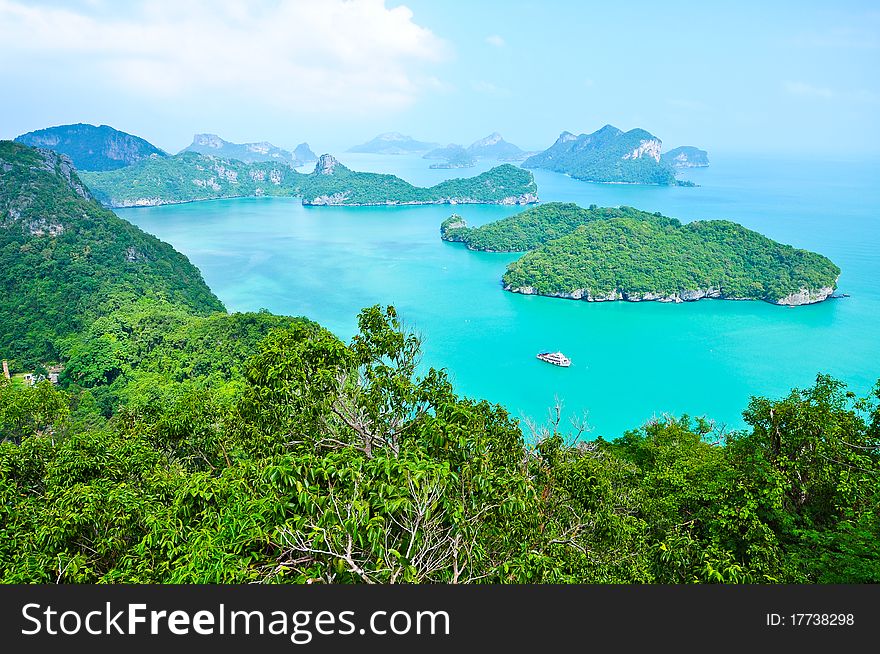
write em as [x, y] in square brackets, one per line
[185, 445]
[315, 460]
[647, 256]
[92, 148]
[686, 156]
[605, 156]
[191, 176]
[528, 229]
[64, 259]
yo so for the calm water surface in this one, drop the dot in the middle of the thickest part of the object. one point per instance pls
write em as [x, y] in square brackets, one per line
[630, 361]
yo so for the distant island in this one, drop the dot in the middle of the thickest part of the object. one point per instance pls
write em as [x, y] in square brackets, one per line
[600, 254]
[453, 156]
[303, 153]
[190, 176]
[495, 147]
[248, 152]
[393, 143]
[686, 156]
[92, 147]
[490, 147]
[608, 155]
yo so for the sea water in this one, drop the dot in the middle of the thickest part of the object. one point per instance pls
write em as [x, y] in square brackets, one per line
[631, 362]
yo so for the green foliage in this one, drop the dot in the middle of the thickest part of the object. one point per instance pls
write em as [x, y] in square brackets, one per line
[531, 228]
[92, 148]
[334, 462]
[190, 176]
[605, 156]
[65, 260]
[641, 254]
[137, 352]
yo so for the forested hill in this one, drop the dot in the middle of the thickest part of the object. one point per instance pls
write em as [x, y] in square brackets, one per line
[527, 229]
[64, 258]
[190, 176]
[654, 258]
[91, 147]
[607, 155]
[606, 253]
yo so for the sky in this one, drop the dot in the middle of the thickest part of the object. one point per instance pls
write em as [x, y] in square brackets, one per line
[782, 77]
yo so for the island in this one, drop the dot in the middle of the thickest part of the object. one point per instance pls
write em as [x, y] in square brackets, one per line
[601, 254]
[686, 156]
[527, 229]
[189, 177]
[92, 147]
[303, 153]
[333, 184]
[495, 147]
[453, 156]
[248, 152]
[393, 143]
[608, 155]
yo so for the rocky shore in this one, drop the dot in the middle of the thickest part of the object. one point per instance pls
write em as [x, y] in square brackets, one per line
[802, 297]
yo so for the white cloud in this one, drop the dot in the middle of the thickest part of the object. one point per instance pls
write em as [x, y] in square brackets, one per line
[325, 55]
[807, 90]
[495, 40]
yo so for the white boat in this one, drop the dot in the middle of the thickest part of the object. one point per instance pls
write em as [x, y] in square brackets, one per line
[556, 358]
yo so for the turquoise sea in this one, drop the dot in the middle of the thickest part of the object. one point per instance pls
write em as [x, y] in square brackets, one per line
[631, 361]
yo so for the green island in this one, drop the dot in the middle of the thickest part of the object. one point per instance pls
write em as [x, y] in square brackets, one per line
[453, 156]
[183, 444]
[191, 176]
[686, 156]
[600, 254]
[93, 147]
[608, 155]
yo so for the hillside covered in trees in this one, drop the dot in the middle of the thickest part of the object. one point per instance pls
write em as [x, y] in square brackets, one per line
[92, 147]
[64, 259]
[608, 155]
[314, 460]
[602, 253]
[191, 176]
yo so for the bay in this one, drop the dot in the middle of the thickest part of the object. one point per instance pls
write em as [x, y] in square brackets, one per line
[631, 361]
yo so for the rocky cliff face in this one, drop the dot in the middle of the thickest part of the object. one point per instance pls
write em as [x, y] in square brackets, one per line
[646, 148]
[804, 296]
[326, 165]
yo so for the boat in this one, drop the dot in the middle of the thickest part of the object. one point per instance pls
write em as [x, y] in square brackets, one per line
[556, 358]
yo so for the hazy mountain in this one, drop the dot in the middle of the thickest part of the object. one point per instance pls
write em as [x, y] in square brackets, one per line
[495, 147]
[247, 152]
[686, 156]
[92, 148]
[304, 154]
[393, 143]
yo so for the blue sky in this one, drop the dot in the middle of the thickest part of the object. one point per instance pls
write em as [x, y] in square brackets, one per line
[741, 76]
